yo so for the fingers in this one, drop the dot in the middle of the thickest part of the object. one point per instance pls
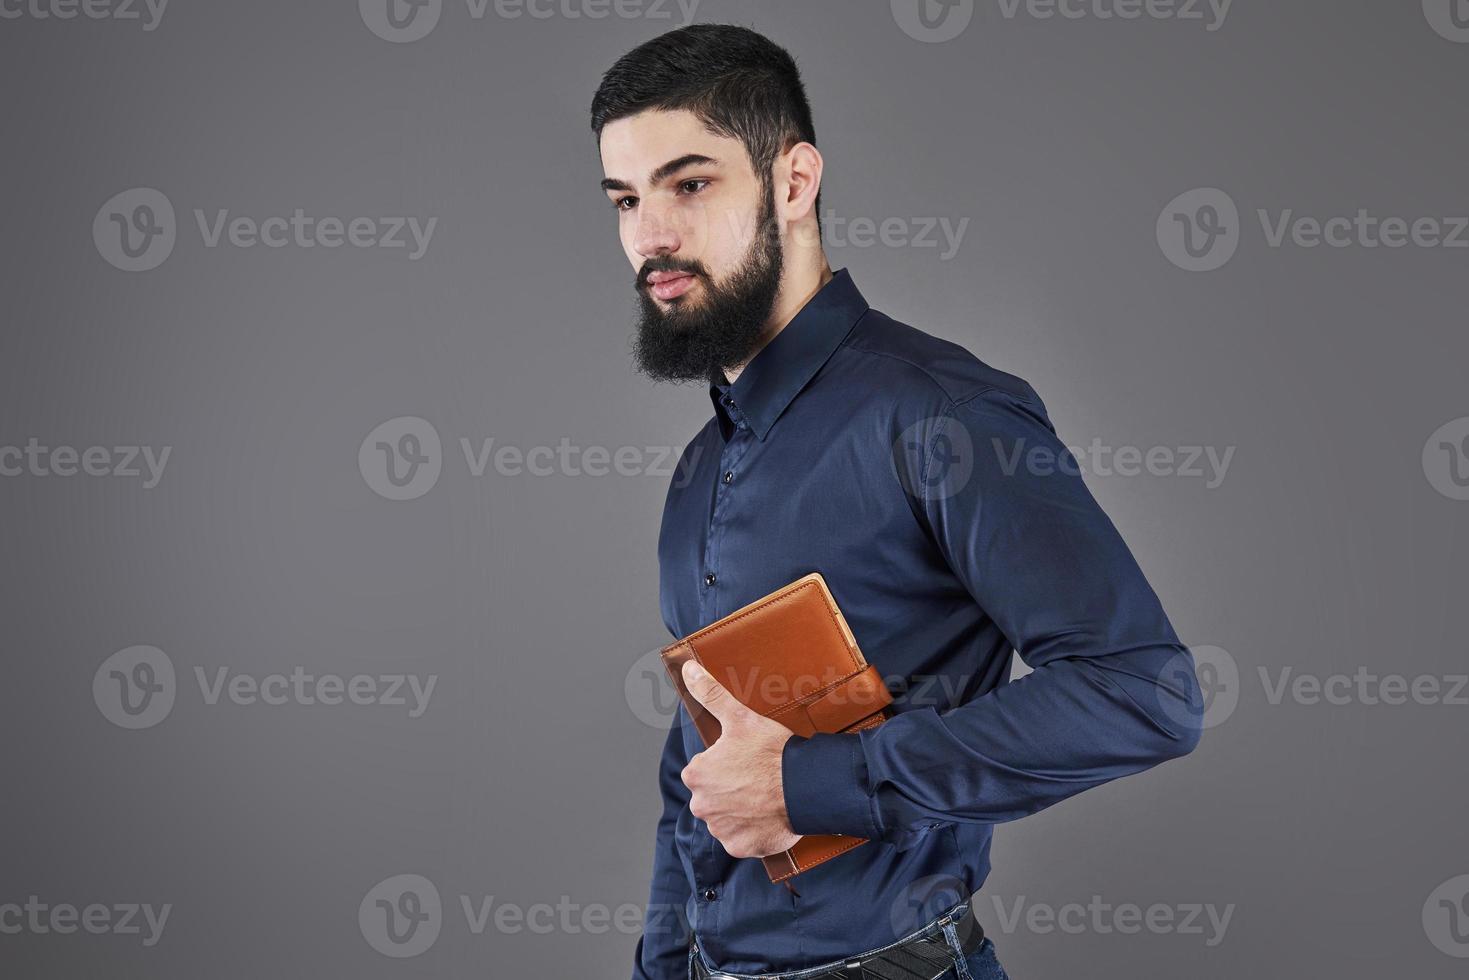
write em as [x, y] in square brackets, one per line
[708, 692]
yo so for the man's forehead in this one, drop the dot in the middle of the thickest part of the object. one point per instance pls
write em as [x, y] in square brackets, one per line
[634, 145]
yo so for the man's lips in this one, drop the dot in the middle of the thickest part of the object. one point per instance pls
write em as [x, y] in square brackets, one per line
[668, 285]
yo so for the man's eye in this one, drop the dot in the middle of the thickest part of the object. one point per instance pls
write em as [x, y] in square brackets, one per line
[693, 186]
[624, 203]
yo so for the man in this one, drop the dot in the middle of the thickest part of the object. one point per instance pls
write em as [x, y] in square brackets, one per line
[914, 478]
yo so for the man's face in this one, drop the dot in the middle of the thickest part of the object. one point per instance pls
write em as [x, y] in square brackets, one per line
[697, 225]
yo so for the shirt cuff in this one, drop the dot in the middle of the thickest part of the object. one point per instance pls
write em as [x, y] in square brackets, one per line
[824, 778]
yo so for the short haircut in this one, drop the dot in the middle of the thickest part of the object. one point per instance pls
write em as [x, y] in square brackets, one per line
[739, 83]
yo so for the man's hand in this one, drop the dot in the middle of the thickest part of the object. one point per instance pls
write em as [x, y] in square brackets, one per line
[736, 784]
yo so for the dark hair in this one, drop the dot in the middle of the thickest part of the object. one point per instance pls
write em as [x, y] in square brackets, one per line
[739, 83]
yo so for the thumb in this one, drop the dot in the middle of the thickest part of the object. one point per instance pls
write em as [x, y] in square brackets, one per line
[710, 693]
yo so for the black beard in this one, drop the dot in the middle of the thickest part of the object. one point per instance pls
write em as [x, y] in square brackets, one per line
[694, 343]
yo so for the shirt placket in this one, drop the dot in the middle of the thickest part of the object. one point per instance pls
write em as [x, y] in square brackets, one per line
[713, 605]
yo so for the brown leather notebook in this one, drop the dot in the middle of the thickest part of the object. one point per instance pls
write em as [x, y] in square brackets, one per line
[789, 656]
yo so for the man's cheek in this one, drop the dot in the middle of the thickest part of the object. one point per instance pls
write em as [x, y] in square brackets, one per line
[697, 226]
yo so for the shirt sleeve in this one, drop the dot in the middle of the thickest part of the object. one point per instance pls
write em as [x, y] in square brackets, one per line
[663, 949]
[1112, 692]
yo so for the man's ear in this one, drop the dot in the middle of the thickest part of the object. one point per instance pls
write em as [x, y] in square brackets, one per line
[797, 182]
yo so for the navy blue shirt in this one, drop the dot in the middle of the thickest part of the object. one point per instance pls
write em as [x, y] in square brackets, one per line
[931, 492]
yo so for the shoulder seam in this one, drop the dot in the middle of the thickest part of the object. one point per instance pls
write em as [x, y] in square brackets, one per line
[925, 372]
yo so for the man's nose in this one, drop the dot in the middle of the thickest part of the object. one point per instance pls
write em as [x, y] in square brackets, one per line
[659, 232]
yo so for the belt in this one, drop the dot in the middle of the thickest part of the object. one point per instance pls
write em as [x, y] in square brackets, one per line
[925, 955]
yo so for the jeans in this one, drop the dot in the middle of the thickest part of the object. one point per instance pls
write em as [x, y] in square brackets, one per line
[978, 965]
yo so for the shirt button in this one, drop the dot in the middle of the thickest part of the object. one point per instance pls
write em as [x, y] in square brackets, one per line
[709, 579]
[710, 894]
[728, 476]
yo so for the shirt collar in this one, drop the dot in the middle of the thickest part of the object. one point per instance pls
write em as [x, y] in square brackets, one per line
[779, 371]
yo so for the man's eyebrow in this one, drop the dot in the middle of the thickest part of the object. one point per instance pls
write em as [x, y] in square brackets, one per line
[662, 173]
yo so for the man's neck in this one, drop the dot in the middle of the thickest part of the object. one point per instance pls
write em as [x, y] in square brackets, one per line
[794, 294]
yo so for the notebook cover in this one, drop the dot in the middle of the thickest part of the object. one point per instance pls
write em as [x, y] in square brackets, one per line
[789, 656]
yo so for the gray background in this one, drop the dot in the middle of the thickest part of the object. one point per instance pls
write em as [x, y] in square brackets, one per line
[530, 777]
